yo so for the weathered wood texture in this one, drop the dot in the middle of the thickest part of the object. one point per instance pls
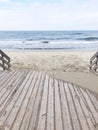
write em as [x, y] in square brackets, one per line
[94, 62]
[34, 101]
[4, 61]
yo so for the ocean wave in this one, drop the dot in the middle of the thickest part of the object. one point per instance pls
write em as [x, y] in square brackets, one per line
[45, 42]
[45, 48]
[29, 39]
[89, 38]
[76, 33]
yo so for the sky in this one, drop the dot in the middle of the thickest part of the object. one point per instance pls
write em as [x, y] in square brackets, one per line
[48, 14]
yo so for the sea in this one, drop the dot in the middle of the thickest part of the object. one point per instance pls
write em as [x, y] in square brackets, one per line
[49, 40]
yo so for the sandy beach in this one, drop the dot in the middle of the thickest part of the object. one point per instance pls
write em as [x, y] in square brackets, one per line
[70, 66]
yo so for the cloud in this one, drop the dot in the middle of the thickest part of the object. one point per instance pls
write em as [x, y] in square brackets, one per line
[64, 15]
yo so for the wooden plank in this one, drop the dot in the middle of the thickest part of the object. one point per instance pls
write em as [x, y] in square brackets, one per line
[6, 83]
[50, 109]
[80, 114]
[57, 107]
[95, 67]
[16, 96]
[87, 113]
[65, 110]
[73, 115]
[29, 110]
[90, 105]
[10, 95]
[37, 102]
[94, 62]
[6, 79]
[93, 99]
[35, 113]
[3, 75]
[94, 56]
[22, 111]
[17, 106]
[3, 66]
[9, 87]
[3, 54]
[43, 108]
[6, 62]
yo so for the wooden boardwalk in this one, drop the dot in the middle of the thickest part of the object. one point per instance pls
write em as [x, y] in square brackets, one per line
[34, 101]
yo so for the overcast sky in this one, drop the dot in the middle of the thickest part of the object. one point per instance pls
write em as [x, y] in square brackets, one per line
[48, 14]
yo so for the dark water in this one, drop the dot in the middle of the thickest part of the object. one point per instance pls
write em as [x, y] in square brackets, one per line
[27, 40]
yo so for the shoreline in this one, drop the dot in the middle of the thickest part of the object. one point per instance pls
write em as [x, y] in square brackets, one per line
[48, 50]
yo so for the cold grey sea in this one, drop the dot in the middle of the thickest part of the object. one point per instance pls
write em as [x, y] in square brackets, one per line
[67, 40]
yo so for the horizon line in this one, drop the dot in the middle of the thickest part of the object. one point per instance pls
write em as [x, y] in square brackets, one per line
[51, 30]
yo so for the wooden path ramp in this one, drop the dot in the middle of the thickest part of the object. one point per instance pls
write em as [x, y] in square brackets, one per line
[34, 101]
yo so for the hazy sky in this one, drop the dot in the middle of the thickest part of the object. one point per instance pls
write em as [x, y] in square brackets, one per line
[48, 14]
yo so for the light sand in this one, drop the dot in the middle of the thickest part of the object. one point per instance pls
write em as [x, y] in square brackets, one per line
[72, 66]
